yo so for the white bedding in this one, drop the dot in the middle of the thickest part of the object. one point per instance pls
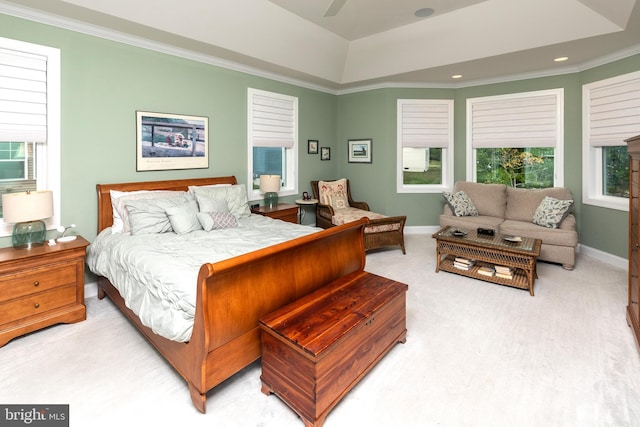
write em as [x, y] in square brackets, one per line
[156, 273]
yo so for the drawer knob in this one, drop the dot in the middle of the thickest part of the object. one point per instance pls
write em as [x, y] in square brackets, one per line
[36, 305]
[36, 283]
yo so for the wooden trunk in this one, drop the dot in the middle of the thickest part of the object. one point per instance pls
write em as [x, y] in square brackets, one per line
[317, 348]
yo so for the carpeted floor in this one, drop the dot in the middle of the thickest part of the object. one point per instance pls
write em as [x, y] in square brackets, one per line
[477, 354]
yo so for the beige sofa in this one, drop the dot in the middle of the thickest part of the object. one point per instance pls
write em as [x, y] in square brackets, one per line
[510, 211]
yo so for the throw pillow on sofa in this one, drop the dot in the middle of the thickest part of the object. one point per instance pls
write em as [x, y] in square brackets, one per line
[460, 203]
[551, 212]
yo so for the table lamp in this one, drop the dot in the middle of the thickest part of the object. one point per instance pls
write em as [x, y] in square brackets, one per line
[26, 211]
[270, 185]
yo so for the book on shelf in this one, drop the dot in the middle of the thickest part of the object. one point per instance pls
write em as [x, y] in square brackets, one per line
[463, 260]
[504, 275]
[462, 266]
[486, 271]
[504, 270]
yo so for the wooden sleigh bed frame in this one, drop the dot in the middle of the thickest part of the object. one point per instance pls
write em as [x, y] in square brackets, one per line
[232, 295]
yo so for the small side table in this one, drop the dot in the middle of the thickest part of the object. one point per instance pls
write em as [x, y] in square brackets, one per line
[283, 211]
[302, 203]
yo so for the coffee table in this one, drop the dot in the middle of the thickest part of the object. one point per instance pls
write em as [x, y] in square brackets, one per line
[488, 251]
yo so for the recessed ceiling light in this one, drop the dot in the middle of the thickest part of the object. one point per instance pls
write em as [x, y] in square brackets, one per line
[424, 12]
[456, 76]
[561, 58]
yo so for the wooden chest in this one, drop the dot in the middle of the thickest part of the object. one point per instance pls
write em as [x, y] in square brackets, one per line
[317, 348]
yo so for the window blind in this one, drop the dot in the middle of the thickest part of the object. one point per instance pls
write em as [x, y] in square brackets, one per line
[425, 124]
[23, 97]
[273, 123]
[614, 112]
[523, 121]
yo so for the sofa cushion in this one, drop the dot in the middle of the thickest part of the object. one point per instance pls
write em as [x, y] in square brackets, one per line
[470, 222]
[551, 212]
[489, 199]
[563, 236]
[523, 202]
[460, 203]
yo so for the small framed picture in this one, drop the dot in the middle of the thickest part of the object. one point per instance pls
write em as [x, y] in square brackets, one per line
[312, 146]
[360, 150]
[325, 153]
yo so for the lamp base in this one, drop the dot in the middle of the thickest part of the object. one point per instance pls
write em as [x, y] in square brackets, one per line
[28, 234]
[271, 199]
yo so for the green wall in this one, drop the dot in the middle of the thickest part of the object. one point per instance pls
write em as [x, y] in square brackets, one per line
[105, 82]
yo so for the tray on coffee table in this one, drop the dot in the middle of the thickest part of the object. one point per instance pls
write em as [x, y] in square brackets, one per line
[517, 254]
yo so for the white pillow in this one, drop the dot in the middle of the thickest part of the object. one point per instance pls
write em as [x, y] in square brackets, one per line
[119, 211]
[234, 195]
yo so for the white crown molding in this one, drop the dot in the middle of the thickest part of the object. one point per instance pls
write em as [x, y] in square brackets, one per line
[108, 34]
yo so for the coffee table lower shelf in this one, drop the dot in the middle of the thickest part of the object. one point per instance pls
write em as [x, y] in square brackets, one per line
[519, 279]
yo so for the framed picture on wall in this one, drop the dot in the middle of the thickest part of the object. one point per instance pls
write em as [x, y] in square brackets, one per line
[171, 141]
[360, 150]
[325, 153]
[312, 146]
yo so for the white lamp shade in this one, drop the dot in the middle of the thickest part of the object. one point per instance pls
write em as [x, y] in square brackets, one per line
[269, 183]
[29, 206]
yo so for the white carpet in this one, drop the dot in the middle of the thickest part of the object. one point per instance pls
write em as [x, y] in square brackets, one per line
[476, 354]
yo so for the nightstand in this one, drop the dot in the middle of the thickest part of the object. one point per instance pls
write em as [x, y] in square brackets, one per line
[308, 202]
[282, 211]
[40, 287]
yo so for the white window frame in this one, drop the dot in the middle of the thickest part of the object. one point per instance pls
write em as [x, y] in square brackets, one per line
[441, 131]
[47, 158]
[253, 133]
[599, 131]
[557, 136]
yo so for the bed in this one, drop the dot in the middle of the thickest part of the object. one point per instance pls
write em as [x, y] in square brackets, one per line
[231, 295]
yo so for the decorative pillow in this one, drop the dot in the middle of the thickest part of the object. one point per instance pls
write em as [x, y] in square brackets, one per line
[207, 204]
[460, 203]
[328, 189]
[149, 216]
[551, 212]
[120, 214]
[339, 201]
[234, 195]
[184, 219]
[217, 220]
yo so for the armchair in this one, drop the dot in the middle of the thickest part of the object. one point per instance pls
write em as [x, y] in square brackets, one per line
[336, 206]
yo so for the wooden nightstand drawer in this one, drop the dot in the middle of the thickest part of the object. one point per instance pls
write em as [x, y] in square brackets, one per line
[284, 212]
[16, 285]
[40, 287]
[37, 304]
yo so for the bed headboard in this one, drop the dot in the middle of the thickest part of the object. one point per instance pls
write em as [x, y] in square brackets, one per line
[105, 211]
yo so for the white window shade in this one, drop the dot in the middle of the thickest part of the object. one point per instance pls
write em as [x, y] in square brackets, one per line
[614, 112]
[23, 96]
[523, 121]
[273, 120]
[425, 124]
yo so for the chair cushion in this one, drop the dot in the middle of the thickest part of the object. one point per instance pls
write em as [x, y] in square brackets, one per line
[334, 193]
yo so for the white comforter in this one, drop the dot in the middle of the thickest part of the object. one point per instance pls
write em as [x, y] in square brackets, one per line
[156, 273]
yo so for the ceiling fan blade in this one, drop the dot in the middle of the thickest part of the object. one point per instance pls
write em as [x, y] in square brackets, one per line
[334, 8]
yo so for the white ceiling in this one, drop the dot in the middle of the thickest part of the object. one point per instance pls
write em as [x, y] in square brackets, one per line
[371, 42]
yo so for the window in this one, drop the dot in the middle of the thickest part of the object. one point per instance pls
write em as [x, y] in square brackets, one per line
[29, 122]
[273, 140]
[610, 114]
[425, 145]
[516, 139]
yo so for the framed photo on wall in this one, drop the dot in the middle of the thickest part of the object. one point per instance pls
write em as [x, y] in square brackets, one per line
[325, 153]
[171, 141]
[312, 146]
[360, 150]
